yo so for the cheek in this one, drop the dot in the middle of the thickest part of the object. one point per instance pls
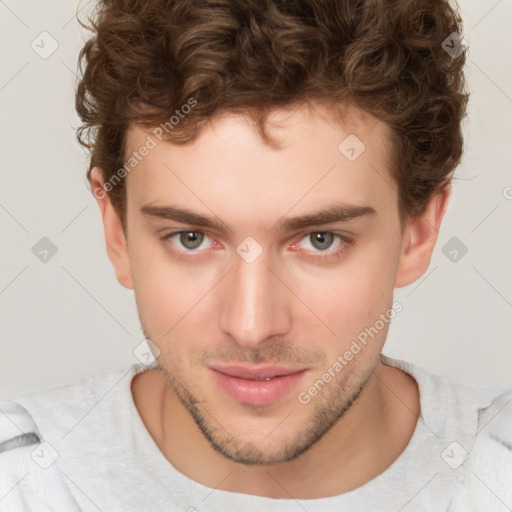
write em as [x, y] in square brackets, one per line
[164, 290]
[352, 295]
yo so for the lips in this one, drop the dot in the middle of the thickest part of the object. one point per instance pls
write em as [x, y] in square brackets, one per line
[257, 386]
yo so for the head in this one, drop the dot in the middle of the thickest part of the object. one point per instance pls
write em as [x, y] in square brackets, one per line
[268, 173]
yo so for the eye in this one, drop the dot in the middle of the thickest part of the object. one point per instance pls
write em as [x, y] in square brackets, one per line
[320, 240]
[321, 244]
[190, 240]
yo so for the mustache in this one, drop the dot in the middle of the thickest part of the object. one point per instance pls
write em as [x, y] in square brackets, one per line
[275, 351]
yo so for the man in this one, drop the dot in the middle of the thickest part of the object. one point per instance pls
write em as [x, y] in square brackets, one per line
[267, 174]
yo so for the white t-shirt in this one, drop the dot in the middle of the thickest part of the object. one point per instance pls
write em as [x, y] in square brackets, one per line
[83, 446]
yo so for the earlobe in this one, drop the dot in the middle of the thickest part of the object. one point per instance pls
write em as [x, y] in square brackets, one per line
[115, 238]
[419, 239]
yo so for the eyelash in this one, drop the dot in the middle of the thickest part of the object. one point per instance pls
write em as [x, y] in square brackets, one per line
[322, 255]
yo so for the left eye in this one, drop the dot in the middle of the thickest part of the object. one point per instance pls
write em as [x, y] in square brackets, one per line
[322, 240]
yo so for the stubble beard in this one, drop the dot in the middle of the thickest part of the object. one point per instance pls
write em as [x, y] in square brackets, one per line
[338, 397]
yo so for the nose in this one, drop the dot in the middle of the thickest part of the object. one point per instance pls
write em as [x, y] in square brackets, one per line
[255, 304]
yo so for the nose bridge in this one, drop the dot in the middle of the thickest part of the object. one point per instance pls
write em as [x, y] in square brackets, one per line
[255, 304]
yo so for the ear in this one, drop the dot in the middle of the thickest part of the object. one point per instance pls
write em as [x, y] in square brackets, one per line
[117, 246]
[419, 239]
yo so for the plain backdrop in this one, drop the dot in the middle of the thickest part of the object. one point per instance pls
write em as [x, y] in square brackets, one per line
[68, 318]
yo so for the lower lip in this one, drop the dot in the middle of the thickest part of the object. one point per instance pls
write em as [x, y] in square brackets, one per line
[257, 392]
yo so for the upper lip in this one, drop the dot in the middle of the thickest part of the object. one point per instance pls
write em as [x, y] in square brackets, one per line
[256, 373]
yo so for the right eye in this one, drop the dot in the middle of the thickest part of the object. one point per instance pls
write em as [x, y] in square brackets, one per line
[191, 240]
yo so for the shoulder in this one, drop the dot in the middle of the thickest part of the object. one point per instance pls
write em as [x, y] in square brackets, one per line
[472, 427]
[55, 410]
[36, 452]
[488, 470]
[463, 412]
[29, 479]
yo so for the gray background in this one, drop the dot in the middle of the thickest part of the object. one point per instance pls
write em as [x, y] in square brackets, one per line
[68, 317]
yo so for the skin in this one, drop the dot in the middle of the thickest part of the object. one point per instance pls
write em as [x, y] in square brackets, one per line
[288, 306]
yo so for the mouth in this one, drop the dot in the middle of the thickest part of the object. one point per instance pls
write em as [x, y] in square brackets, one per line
[257, 385]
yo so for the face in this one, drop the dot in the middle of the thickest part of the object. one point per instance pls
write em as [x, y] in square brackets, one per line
[251, 313]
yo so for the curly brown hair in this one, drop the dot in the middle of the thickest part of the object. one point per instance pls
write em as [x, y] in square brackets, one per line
[147, 59]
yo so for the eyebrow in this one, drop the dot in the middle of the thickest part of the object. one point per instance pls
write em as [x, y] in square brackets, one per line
[338, 212]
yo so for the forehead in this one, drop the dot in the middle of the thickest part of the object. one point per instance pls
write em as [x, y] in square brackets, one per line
[229, 170]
